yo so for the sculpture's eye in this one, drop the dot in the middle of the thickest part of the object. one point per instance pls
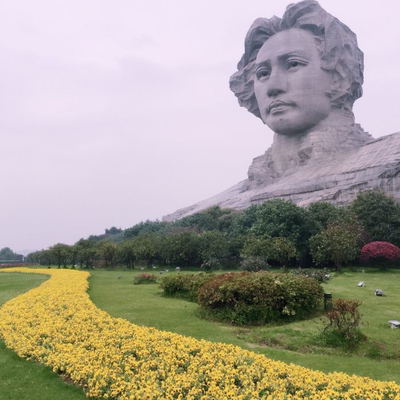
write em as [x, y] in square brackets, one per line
[292, 64]
[263, 74]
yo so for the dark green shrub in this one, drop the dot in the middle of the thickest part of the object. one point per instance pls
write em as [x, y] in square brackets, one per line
[320, 275]
[257, 298]
[254, 264]
[145, 278]
[339, 244]
[280, 218]
[184, 285]
[181, 249]
[283, 251]
[257, 247]
[379, 214]
[212, 264]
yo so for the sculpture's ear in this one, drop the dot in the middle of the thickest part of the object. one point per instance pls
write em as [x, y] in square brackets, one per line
[342, 92]
[337, 93]
[333, 83]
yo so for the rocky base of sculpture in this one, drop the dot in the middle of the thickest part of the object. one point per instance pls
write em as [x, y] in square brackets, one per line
[336, 179]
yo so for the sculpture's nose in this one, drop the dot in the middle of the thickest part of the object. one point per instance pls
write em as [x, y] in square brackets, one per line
[276, 83]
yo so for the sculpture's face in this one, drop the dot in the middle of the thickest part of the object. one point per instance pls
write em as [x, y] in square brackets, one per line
[289, 84]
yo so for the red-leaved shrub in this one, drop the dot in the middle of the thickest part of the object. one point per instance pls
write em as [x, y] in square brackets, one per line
[145, 278]
[380, 253]
[344, 319]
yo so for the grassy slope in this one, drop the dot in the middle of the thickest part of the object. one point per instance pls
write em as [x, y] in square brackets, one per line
[143, 305]
[24, 380]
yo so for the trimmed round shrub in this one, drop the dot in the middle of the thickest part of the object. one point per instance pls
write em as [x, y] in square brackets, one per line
[380, 253]
[184, 285]
[256, 298]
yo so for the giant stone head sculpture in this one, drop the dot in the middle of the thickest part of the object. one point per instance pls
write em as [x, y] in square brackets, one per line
[297, 70]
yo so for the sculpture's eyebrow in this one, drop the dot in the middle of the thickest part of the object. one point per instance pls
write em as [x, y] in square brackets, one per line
[284, 57]
[295, 53]
[266, 63]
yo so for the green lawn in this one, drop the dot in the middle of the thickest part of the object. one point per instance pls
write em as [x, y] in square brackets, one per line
[145, 305]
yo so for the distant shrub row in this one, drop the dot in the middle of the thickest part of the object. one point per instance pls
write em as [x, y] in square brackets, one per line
[248, 298]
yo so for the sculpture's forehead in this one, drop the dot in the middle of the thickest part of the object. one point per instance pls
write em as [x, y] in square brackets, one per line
[286, 42]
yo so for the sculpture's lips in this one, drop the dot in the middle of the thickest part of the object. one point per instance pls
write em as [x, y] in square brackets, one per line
[278, 106]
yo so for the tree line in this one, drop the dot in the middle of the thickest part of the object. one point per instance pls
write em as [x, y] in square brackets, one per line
[279, 231]
[7, 255]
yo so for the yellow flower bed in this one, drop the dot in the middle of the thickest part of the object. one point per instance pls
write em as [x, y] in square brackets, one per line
[59, 326]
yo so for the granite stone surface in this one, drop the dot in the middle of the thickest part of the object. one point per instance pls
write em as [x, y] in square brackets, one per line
[301, 74]
[336, 180]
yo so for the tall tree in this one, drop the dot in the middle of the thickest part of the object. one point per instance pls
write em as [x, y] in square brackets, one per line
[87, 252]
[108, 253]
[214, 245]
[126, 253]
[60, 253]
[182, 249]
[339, 244]
[379, 214]
[279, 218]
[6, 254]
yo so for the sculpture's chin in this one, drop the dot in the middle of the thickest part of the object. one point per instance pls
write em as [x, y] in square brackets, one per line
[288, 131]
[287, 128]
[295, 123]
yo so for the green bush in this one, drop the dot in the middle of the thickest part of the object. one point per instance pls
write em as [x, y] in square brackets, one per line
[184, 285]
[379, 214]
[339, 244]
[283, 251]
[254, 264]
[212, 264]
[257, 298]
[257, 247]
[320, 275]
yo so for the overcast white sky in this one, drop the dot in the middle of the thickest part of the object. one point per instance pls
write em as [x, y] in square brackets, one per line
[113, 112]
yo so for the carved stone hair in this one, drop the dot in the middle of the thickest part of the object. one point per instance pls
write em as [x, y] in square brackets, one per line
[336, 43]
